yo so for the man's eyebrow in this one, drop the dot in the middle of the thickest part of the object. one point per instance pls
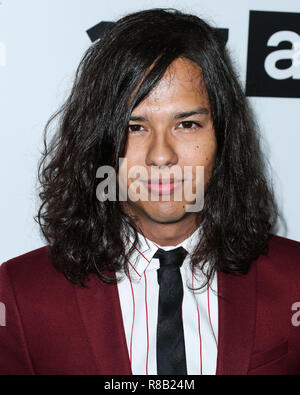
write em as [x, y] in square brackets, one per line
[186, 114]
[180, 115]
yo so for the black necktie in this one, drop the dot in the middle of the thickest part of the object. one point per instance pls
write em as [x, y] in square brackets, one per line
[170, 349]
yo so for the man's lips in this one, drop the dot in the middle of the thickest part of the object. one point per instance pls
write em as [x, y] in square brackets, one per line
[160, 187]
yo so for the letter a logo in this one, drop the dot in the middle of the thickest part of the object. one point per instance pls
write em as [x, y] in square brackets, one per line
[273, 67]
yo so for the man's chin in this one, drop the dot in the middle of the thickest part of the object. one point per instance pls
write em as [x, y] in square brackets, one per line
[165, 213]
[166, 216]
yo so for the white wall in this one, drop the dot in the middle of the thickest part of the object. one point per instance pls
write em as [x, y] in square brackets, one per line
[41, 43]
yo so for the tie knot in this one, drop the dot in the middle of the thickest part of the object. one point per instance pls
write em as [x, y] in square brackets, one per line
[171, 257]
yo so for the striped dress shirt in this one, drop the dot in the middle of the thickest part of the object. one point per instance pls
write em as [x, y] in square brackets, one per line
[138, 293]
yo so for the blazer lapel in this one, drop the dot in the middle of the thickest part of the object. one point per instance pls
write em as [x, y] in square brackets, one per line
[101, 313]
[237, 312]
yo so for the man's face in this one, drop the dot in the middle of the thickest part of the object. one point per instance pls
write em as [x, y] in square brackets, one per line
[163, 138]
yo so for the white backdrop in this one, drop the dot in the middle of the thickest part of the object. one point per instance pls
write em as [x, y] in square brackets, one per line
[41, 44]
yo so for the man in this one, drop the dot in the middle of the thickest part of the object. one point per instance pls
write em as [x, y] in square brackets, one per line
[153, 286]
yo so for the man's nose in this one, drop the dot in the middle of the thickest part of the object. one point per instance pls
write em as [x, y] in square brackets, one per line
[161, 151]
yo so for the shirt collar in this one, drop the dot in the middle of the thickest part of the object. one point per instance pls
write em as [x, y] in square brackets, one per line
[142, 259]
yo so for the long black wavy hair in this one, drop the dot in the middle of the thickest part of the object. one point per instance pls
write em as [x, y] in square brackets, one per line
[86, 235]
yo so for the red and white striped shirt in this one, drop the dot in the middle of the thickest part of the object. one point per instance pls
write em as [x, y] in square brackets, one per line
[138, 294]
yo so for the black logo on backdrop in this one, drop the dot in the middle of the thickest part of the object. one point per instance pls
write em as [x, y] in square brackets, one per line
[97, 32]
[273, 54]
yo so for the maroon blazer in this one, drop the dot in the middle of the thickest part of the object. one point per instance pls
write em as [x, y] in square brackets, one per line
[55, 327]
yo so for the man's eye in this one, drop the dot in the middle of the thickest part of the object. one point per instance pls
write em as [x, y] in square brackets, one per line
[134, 128]
[189, 125]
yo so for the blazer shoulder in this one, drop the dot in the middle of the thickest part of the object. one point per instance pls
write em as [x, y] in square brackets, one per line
[284, 249]
[33, 271]
[39, 253]
[282, 262]
[36, 261]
